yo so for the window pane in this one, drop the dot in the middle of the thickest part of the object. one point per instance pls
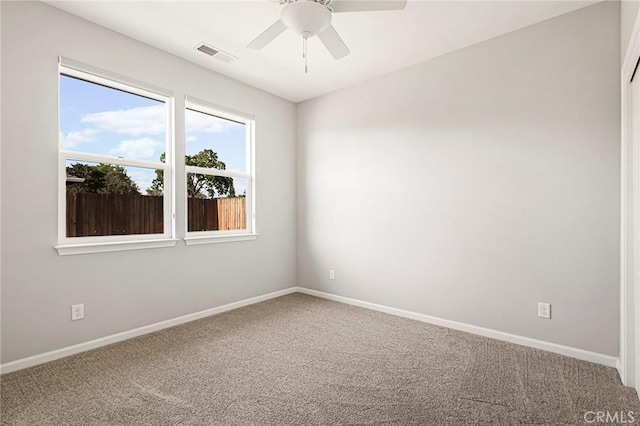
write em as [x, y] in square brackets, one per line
[215, 142]
[106, 199]
[216, 203]
[100, 120]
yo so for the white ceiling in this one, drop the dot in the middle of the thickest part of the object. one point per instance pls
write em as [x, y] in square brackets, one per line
[380, 42]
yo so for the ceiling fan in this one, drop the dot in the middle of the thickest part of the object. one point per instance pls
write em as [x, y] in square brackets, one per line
[309, 18]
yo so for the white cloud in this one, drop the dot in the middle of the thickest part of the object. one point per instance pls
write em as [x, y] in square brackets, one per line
[134, 121]
[72, 139]
[152, 120]
[192, 138]
[197, 122]
[143, 148]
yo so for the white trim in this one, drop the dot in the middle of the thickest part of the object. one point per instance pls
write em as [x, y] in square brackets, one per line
[105, 243]
[105, 247]
[167, 214]
[217, 110]
[19, 364]
[213, 239]
[609, 361]
[250, 201]
[209, 171]
[629, 147]
[619, 367]
[624, 339]
[169, 184]
[582, 354]
[112, 239]
[83, 71]
[109, 159]
[249, 232]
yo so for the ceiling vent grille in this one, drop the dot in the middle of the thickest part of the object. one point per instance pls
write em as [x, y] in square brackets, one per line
[216, 53]
[207, 50]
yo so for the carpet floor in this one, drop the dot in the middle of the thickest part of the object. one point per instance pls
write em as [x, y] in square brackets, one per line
[301, 360]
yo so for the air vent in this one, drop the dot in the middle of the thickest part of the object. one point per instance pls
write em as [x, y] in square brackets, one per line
[207, 50]
[216, 53]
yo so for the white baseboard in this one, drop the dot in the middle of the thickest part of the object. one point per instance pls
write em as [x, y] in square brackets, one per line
[609, 361]
[103, 341]
[620, 369]
[582, 354]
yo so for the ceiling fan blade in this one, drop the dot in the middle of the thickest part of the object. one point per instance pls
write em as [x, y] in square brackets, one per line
[334, 44]
[367, 5]
[267, 36]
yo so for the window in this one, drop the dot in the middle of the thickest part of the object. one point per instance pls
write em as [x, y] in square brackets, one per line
[219, 173]
[115, 161]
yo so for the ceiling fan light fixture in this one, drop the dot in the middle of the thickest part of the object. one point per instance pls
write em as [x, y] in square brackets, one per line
[309, 18]
[306, 18]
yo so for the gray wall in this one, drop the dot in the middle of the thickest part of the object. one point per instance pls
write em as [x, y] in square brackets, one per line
[120, 290]
[471, 186]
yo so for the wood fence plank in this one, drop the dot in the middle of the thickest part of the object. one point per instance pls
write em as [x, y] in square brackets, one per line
[90, 214]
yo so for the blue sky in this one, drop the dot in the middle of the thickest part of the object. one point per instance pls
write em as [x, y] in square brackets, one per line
[100, 120]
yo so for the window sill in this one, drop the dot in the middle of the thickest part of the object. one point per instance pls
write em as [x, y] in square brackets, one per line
[73, 249]
[213, 239]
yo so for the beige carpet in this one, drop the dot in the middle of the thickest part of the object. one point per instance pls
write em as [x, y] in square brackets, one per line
[300, 360]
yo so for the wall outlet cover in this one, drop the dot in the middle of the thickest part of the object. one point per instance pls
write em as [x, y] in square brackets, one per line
[544, 310]
[77, 312]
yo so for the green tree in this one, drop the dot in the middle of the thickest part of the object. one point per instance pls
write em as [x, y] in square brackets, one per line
[199, 185]
[102, 179]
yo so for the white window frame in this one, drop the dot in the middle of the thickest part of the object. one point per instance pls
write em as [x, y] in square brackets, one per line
[249, 233]
[79, 245]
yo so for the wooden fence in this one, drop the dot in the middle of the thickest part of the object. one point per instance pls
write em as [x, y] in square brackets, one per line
[112, 214]
[219, 214]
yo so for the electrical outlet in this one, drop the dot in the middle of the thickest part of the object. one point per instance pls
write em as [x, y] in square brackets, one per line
[544, 310]
[332, 274]
[77, 312]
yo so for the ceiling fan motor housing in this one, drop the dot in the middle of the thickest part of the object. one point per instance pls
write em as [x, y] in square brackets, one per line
[306, 18]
